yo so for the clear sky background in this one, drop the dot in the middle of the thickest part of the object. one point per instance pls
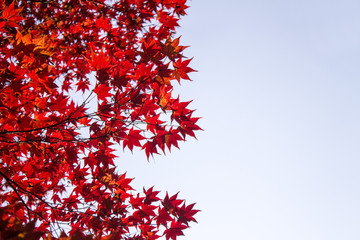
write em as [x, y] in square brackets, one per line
[278, 89]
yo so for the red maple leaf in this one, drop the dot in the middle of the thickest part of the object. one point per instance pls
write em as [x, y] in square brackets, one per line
[175, 230]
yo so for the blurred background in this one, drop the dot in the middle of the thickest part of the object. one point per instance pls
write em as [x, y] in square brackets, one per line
[277, 88]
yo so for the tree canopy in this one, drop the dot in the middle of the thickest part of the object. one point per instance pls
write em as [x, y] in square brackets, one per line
[78, 79]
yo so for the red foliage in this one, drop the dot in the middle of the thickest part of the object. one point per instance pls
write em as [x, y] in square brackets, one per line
[78, 78]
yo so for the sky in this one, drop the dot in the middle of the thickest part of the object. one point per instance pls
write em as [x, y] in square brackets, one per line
[277, 88]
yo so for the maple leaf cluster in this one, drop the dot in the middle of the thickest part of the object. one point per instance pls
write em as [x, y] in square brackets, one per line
[77, 79]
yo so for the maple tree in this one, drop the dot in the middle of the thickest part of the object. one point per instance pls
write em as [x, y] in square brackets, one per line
[77, 79]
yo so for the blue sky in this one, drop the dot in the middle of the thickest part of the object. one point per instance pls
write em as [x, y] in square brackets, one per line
[278, 86]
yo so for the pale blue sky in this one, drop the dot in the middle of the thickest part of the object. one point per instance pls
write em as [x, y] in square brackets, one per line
[278, 89]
